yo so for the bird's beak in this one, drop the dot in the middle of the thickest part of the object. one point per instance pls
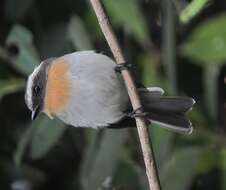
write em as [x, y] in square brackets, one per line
[35, 113]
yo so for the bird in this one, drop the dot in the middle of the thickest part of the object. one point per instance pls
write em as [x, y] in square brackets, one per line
[83, 89]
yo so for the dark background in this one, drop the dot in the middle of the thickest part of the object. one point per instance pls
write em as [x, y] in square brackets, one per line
[178, 45]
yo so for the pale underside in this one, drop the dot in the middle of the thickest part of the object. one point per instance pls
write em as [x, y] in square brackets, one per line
[97, 93]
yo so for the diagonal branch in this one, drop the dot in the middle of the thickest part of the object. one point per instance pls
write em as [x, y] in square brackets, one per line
[145, 141]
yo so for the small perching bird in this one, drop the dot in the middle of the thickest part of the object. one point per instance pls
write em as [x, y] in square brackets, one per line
[84, 90]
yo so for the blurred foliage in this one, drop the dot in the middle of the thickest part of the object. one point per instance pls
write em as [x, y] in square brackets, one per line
[16, 10]
[22, 40]
[91, 177]
[47, 154]
[210, 41]
[192, 9]
[46, 135]
[172, 168]
[10, 86]
[131, 19]
[82, 40]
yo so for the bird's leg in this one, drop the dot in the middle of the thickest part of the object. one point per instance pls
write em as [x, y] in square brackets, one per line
[134, 113]
[122, 66]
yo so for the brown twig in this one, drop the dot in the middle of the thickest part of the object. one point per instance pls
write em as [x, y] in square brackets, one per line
[133, 94]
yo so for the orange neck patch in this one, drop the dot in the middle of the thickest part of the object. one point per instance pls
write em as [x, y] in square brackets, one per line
[58, 87]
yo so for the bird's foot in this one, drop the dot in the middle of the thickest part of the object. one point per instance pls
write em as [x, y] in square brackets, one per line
[122, 66]
[137, 113]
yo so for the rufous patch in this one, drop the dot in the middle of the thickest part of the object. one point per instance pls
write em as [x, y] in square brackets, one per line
[58, 87]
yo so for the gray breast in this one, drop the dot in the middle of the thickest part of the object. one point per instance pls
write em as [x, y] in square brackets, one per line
[99, 96]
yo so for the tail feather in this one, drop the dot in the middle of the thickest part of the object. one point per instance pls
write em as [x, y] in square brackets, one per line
[170, 104]
[175, 122]
[168, 112]
[150, 94]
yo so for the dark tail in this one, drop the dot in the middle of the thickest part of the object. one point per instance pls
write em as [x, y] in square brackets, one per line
[170, 112]
[167, 112]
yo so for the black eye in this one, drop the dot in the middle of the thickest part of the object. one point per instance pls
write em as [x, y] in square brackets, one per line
[36, 90]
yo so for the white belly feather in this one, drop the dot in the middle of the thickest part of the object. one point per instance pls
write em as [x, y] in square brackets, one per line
[99, 97]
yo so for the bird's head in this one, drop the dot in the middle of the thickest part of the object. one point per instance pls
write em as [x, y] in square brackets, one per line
[36, 88]
[49, 88]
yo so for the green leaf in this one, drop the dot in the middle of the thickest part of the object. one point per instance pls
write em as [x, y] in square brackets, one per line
[223, 180]
[198, 117]
[193, 9]
[209, 161]
[162, 141]
[207, 43]
[150, 72]
[79, 35]
[210, 80]
[22, 39]
[178, 170]
[10, 86]
[104, 160]
[22, 145]
[126, 13]
[220, 158]
[90, 152]
[149, 68]
[46, 136]
[169, 44]
[223, 166]
[130, 175]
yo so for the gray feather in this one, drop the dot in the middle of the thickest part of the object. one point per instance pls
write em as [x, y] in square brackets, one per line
[172, 121]
[169, 104]
[99, 96]
[150, 94]
[168, 112]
